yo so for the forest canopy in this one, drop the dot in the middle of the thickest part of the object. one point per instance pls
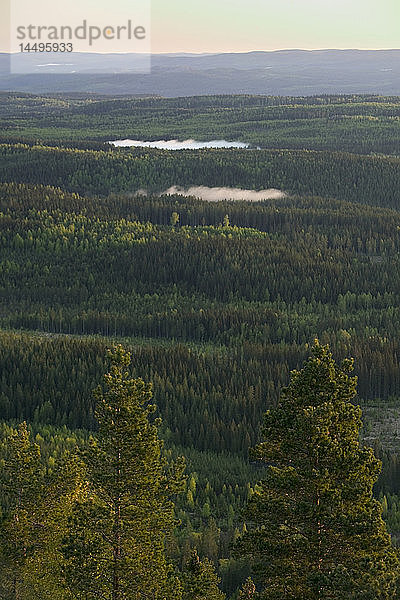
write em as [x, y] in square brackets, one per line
[217, 301]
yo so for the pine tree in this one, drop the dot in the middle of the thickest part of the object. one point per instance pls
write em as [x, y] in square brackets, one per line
[200, 582]
[315, 530]
[20, 487]
[37, 504]
[64, 486]
[115, 547]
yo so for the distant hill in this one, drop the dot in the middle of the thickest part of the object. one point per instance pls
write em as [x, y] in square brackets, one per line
[286, 72]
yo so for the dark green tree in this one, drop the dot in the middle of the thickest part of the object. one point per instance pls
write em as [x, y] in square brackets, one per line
[115, 547]
[315, 530]
[200, 581]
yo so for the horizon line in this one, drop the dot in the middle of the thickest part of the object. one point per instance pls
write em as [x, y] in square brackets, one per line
[219, 52]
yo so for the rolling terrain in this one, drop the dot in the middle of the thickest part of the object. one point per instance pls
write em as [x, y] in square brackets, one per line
[284, 72]
[219, 300]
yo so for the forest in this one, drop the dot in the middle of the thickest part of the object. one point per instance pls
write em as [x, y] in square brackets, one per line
[360, 124]
[217, 301]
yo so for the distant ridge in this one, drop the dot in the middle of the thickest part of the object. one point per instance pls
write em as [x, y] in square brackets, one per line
[281, 72]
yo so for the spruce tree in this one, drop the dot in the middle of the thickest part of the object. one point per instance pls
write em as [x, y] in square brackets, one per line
[315, 530]
[115, 547]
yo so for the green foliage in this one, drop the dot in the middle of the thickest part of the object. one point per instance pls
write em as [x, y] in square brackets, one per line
[248, 590]
[200, 581]
[43, 571]
[358, 123]
[217, 310]
[346, 177]
[316, 531]
[115, 547]
[88, 266]
[21, 484]
[36, 502]
[174, 219]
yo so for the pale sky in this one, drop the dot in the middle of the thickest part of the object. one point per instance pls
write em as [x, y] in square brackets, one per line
[246, 25]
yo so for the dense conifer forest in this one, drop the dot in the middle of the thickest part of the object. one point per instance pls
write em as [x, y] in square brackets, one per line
[217, 301]
[360, 124]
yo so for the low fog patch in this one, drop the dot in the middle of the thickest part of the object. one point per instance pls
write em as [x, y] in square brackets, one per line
[216, 194]
[176, 145]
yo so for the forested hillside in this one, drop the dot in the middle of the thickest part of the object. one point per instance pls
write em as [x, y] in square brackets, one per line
[361, 179]
[361, 124]
[218, 301]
